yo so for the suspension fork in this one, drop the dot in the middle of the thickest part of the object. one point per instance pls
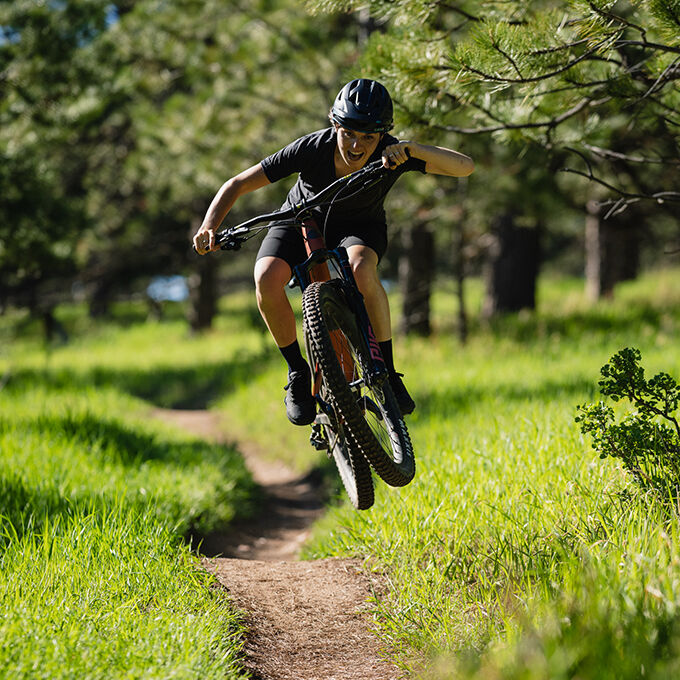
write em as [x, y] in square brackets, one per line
[378, 370]
[315, 268]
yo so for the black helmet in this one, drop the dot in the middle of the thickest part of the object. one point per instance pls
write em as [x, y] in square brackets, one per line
[363, 105]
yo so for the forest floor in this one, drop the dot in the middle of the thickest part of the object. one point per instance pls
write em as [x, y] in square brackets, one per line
[307, 620]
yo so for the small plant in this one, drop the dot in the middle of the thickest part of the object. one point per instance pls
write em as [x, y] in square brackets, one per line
[647, 440]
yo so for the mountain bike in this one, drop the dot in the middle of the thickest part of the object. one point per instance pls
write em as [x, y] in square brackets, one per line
[358, 421]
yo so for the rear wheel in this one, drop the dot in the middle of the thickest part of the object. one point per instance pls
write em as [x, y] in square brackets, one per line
[354, 470]
[329, 433]
[370, 413]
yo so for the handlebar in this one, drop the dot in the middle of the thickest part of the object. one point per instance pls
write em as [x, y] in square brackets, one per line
[366, 177]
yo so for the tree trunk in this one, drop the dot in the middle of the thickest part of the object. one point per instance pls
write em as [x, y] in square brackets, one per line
[203, 281]
[416, 270]
[612, 250]
[54, 330]
[203, 293]
[100, 300]
[462, 324]
[367, 24]
[460, 260]
[511, 267]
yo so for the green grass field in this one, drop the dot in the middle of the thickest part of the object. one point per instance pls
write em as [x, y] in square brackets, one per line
[515, 553]
[96, 497]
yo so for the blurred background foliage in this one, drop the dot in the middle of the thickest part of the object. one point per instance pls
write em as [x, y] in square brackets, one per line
[120, 120]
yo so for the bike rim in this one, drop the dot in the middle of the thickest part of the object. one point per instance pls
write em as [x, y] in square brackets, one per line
[370, 398]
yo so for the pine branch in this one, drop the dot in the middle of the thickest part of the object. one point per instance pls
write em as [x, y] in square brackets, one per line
[589, 54]
[628, 198]
[663, 79]
[558, 48]
[665, 107]
[572, 87]
[618, 19]
[550, 124]
[498, 49]
[648, 45]
[608, 153]
[457, 10]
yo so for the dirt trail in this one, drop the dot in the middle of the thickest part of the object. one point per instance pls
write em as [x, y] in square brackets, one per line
[307, 620]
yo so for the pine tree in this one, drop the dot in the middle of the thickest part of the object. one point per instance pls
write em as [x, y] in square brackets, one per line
[588, 88]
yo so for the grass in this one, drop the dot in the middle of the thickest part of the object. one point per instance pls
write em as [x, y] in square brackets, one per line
[102, 592]
[515, 553]
[96, 497]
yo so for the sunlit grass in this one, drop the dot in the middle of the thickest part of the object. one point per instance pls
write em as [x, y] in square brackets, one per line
[516, 551]
[106, 592]
[96, 498]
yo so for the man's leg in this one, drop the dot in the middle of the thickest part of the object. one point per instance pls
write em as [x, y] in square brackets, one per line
[271, 276]
[364, 262]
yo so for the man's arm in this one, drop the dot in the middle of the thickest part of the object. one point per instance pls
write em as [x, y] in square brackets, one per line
[249, 180]
[438, 159]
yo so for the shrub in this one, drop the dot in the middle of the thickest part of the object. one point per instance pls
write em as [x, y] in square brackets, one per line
[646, 440]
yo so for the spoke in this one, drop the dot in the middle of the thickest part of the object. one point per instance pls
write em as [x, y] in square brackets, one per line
[335, 441]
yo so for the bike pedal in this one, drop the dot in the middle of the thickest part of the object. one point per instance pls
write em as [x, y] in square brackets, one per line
[318, 439]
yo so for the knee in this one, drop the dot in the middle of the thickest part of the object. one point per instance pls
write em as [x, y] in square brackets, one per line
[271, 276]
[365, 274]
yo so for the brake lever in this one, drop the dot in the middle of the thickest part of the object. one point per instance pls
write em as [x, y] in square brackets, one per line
[231, 239]
[231, 244]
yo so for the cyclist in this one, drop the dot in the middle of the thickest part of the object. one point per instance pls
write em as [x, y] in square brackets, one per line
[360, 118]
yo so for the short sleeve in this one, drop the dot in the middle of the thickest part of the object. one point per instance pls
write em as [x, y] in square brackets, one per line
[293, 158]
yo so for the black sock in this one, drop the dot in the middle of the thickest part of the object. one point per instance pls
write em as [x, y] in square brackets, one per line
[293, 356]
[386, 349]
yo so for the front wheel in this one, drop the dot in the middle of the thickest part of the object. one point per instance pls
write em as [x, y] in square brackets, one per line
[370, 413]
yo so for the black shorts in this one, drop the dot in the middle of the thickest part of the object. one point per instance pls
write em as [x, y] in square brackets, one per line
[286, 242]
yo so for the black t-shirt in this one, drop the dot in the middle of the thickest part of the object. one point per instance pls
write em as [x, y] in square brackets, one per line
[312, 156]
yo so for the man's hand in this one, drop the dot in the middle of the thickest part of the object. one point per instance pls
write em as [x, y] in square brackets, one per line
[395, 154]
[204, 241]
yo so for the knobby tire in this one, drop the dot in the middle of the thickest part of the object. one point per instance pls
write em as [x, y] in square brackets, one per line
[370, 416]
[353, 468]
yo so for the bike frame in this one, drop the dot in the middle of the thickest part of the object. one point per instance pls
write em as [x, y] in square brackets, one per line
[315, 267]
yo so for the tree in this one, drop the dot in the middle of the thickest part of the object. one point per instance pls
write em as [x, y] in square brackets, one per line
[592, 87]
[511, 267]
[41, 207]
[416, 275]
[128, 116]
[591, 79]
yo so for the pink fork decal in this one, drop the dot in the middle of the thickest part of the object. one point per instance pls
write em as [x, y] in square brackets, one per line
[376, 354]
